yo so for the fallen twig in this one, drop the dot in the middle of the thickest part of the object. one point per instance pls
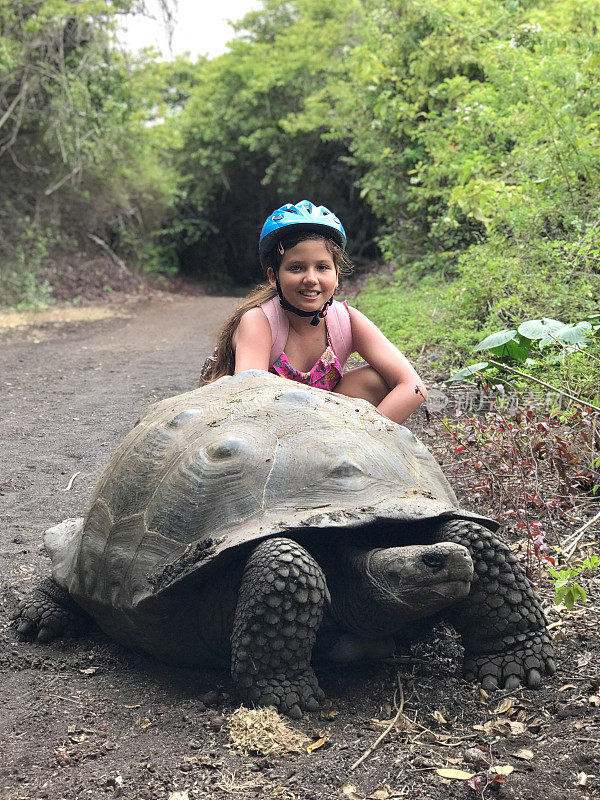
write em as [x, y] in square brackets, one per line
[67, 699]
[374, 746]
[576, 537]
[543, 383]
[69, 485]
[459, 739]
[118, 261]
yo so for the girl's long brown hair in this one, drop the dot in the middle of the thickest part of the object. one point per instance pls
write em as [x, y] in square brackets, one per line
[222, 362]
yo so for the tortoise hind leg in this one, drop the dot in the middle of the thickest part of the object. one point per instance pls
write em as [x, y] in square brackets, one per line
[279, 610]
[501, 621]
[50, 613]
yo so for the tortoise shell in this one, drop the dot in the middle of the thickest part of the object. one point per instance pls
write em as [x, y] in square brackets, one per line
[233, 462]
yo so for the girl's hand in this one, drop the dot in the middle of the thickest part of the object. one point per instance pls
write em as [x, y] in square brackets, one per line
[407, 389]
[252, 341]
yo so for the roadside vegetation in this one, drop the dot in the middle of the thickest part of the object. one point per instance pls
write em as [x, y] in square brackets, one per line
[82, 164]
[498, 143]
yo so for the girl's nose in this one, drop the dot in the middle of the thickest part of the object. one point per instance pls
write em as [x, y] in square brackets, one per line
[310, 277]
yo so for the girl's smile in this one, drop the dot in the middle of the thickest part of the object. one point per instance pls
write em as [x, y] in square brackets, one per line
[307, 274]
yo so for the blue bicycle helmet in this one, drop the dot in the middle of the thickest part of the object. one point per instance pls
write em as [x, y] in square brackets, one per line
[305, 216]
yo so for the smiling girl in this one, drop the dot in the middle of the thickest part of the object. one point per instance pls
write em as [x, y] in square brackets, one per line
[293, 327]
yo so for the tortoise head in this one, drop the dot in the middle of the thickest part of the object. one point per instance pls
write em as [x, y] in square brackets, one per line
[416, 581]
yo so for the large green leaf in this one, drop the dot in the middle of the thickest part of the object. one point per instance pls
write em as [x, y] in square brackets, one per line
[496, 340]
[513, 349]
[467, 372]
[539, 328]
[506, 344]
[574, 334]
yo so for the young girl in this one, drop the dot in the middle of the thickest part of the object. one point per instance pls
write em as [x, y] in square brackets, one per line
[293, 327]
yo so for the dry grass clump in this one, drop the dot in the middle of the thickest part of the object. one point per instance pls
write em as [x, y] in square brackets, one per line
[262, 731]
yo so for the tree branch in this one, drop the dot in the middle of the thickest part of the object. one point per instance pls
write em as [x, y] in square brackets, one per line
[543, 383]
[17, 99]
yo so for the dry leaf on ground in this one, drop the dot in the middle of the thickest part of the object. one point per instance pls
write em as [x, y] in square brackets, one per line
[524, 753]
[503, 769]
[379, 794]
[455, 774]
[507, 705]
[512, 717]
[315, 745]
[350, 791]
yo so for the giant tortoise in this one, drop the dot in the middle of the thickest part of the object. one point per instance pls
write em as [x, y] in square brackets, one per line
[253, 521]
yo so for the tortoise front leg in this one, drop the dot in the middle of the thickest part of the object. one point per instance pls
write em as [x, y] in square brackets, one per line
[279, 611]
[501, 621]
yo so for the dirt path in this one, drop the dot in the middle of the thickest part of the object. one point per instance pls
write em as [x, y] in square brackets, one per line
[72, 391]
[87, 719]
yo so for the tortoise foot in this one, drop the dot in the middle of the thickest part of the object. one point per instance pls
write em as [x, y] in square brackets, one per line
[50, 613]
[501, 621]
[523, 659]
[280, 608]
[290, 693]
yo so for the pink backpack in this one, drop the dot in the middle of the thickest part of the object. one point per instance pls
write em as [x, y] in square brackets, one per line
[337, 320]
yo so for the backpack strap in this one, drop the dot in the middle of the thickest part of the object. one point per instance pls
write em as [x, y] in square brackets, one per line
[339, 329]
[280, 327]
[338, 323]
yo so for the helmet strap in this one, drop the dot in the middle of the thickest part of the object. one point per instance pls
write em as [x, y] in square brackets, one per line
[317, 316]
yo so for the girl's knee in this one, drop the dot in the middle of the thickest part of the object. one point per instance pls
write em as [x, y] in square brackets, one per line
[365, 383]
[376, 387]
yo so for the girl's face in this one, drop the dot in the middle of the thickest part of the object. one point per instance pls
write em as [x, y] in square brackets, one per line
[307, 275]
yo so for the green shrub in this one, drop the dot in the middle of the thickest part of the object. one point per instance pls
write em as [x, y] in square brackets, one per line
[493, 285]
[478, 131]
[21, 258]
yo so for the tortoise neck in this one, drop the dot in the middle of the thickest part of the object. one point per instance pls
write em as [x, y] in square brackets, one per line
[360, 603]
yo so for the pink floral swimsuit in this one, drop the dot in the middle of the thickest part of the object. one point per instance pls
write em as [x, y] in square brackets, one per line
[326, 373]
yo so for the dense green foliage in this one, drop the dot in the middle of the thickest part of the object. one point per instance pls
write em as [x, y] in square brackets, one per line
[76, 156]
[539, 351]
[487, 153]
[462, 137]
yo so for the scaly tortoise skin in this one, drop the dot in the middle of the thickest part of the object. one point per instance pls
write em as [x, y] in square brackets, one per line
[256, 523]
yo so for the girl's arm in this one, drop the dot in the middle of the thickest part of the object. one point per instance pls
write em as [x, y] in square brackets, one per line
[407, 389]
[252, 341]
